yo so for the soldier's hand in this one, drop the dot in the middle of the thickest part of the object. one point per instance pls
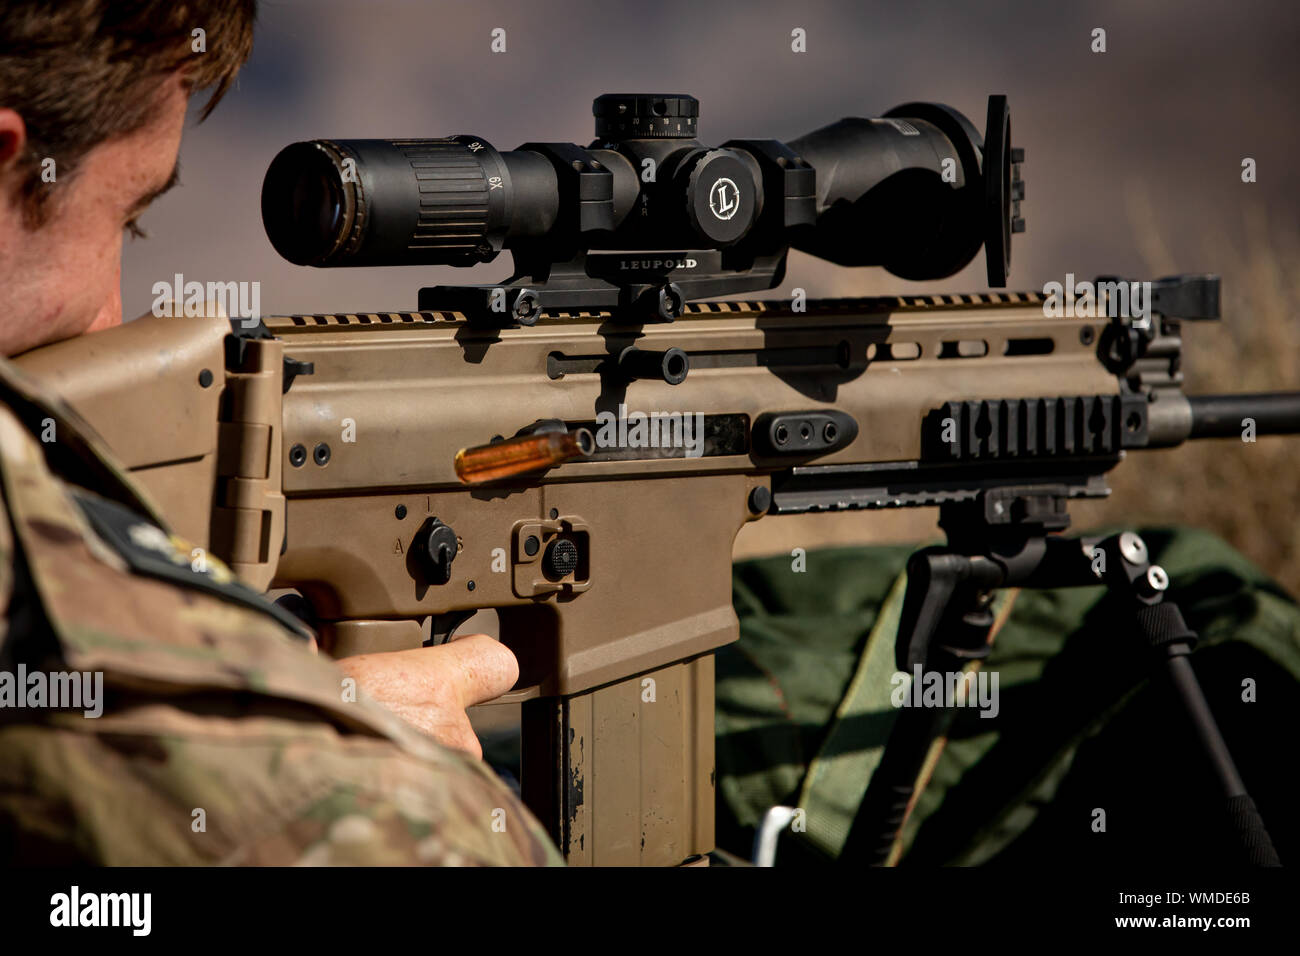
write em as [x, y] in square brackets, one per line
[430, 687]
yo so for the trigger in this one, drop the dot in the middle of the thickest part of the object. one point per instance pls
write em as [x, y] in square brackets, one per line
[443, 626]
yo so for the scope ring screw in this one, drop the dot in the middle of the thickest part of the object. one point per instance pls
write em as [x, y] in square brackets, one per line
[671, 302]
[525, 309]
[297, 456]
[321, 454]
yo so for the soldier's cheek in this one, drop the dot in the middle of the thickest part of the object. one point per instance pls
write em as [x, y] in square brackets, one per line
[110, 313]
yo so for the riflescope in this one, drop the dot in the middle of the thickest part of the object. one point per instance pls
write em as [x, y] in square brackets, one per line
[647, 217]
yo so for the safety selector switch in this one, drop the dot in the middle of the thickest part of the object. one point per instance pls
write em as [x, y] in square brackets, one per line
[551, 556]
[435, 548]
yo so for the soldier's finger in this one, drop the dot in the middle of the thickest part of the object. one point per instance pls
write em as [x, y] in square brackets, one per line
[486, 668]
[450, 730]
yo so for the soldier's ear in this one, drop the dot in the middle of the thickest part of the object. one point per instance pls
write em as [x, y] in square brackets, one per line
[13, 139]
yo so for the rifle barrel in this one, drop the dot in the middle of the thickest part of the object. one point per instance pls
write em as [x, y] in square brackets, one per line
[1221, 416]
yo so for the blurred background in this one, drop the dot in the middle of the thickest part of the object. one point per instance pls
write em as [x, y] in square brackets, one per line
[1133, 167]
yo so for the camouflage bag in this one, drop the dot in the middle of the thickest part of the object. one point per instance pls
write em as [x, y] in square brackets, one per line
[803, 714]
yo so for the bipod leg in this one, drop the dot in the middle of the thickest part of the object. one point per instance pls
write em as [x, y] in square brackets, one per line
[1160, 624]
[947, 594]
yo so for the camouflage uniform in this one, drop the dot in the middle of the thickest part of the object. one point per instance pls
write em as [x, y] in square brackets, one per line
[211, 705]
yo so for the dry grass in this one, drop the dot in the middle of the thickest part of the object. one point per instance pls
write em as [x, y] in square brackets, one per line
[1246, 493]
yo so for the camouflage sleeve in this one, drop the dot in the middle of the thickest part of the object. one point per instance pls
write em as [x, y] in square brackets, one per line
[152, 784]
[217, 737]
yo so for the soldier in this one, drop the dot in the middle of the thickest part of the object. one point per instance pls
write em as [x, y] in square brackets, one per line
[216, 735]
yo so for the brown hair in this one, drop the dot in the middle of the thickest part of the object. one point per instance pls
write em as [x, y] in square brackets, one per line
[82, 72]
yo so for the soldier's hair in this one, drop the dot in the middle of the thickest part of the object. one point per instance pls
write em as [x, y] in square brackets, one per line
[84, 72]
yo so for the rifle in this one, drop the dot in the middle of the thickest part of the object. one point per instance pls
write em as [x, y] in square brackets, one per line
[405, 470]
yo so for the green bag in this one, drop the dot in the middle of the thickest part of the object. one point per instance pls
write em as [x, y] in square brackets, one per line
[803, 713]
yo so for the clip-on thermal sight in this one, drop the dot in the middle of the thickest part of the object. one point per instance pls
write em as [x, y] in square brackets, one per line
[647, 217]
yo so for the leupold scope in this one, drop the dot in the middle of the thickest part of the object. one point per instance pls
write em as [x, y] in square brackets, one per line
[647, 217]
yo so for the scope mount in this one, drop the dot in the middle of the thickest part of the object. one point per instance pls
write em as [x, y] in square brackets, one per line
[640, 286]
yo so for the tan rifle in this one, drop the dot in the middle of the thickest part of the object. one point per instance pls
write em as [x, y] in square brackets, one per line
[322, 456]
